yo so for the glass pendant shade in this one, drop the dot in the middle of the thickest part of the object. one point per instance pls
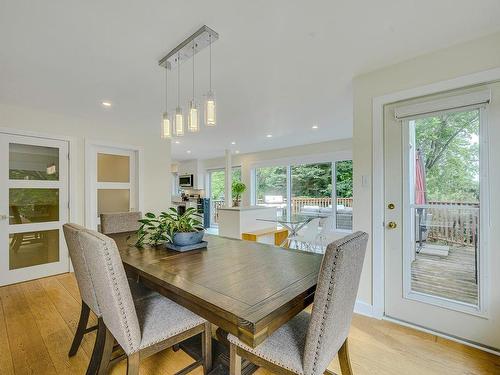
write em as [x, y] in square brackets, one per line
[166, 128]
[179, 122]
[193, 117]
[210, 109]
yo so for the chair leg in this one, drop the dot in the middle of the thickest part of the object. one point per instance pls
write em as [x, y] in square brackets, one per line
[234, 361]
[133, 362]
[206, 348]
[109, 342]
[98, 350]
[80, 330]
[345, 362]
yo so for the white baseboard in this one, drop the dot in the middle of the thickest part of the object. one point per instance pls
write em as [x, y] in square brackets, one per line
[363, 308]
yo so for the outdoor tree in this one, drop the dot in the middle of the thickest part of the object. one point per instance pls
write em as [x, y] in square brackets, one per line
[450, 149]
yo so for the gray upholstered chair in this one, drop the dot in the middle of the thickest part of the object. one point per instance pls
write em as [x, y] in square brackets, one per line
[141, 327]
[120, 222]
[87, 293]
[308, 342]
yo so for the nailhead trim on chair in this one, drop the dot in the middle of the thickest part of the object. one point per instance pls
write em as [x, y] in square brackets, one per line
[327, 304]
[109, 264]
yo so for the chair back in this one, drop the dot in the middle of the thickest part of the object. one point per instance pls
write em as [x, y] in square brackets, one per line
[311, 230]
[336, 291]
[120, 222]
[112, 289]
[80, 266]
[328, 225]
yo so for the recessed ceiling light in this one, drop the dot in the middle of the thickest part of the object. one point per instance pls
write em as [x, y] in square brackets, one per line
[269, 136]
[188, 151]
[315, 126]
[106, 104]
[233, 142]
[177, 142]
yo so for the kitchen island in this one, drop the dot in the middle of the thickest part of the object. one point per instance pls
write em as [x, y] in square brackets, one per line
[233, 221]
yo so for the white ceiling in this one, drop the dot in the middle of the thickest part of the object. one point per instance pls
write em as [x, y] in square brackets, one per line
[279, 66]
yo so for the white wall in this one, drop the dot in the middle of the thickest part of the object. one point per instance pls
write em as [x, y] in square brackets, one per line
[156, 152]
[456, 61]
[317, 151]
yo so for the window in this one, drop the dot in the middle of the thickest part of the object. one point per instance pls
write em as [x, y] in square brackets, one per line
[311, 187]
[343, 194]
[217, 178]
[271, 188]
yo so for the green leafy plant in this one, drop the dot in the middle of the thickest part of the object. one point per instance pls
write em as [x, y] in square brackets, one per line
[237, 188]
[155, 230]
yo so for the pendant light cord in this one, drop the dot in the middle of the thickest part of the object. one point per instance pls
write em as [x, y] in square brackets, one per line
[194, 52]
[210, 63]
[166, 89]
[178, 79]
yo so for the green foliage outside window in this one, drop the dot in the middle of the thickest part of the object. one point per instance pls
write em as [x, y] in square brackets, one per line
[450, 149]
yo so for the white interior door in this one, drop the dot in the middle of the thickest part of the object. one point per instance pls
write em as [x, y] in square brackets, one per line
[33, 207]
[437, 257]
[113, 182]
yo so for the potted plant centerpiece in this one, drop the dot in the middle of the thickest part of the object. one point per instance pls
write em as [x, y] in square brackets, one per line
[237, 188]
[177, 231]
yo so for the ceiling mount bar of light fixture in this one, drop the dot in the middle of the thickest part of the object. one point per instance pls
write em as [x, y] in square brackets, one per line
[202, 38]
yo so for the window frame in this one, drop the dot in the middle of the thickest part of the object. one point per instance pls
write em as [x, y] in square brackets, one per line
[306, 160]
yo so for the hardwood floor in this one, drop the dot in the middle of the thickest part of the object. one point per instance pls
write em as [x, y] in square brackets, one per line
[38, 319]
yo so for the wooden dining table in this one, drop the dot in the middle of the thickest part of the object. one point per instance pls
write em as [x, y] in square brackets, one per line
[245, 288]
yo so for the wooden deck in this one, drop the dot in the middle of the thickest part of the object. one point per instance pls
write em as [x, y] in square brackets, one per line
[450, 277]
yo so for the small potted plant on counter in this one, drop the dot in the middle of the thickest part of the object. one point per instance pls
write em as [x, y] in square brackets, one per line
[180, 232]
[237, 188]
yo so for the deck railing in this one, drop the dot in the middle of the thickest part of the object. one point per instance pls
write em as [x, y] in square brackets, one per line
[298, 204]
[453, 222]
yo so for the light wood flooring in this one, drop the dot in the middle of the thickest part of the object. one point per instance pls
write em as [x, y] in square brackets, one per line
[38, 319]
[451, 276]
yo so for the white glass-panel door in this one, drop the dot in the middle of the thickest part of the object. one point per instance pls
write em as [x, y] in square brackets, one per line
[437, 256]
[113, 182]
[33, 207]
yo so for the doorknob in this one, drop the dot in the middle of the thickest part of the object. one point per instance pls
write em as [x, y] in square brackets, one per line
[3, 217]
[392, 225]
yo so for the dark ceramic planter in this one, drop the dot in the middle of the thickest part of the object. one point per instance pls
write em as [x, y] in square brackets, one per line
[188, 238]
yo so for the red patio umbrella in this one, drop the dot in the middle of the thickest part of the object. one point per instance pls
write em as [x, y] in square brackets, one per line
[420, 195]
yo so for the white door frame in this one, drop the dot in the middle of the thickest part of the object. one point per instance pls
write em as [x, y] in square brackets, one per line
[73, 208]
[90, 173]
[378, 198]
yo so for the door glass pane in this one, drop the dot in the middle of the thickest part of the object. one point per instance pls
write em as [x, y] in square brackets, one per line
[217, 188]
[113, 200]
[113, 168]
[217, 179]
[33, 205]
[312, 189]
[33, 248]
[344, 186]
[271, 188]
[444, 186]
[28, 162]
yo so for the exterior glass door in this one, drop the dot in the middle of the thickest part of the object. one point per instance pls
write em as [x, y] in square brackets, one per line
[33, 207]
[437, 257]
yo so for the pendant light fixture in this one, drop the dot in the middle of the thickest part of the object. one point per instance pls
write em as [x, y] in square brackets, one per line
[166, 128]
[173, 123]
[210, 110]
[193, 114]
[179, 117]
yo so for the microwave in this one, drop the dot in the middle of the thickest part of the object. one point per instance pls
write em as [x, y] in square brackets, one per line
[186, 180]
